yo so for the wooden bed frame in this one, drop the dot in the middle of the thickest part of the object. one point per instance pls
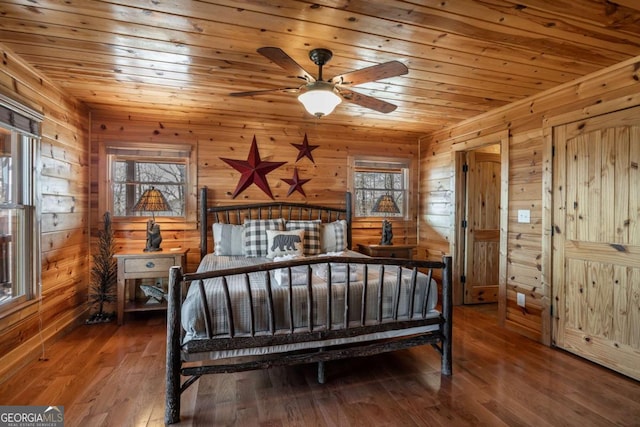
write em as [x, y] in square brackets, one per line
[439, 337]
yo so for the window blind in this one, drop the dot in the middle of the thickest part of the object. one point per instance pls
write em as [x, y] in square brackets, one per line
[18, 117]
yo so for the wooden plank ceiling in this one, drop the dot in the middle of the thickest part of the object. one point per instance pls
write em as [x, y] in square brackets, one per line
[464, 57]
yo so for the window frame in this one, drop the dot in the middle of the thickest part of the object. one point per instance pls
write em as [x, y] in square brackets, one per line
[146, 150]
[23, 123]
[377, 163]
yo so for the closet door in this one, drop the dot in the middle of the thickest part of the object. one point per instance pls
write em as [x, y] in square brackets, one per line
[596, 239]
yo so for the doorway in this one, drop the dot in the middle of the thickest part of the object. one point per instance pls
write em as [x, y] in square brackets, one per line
[480, 236]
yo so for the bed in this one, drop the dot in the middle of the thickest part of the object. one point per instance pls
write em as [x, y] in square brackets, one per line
[282, 287]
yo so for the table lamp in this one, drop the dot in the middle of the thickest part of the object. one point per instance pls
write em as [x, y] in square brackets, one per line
[152, 200]
[386, 205]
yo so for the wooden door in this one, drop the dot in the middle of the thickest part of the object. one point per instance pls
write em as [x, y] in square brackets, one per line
[482, 231]
[596, 240]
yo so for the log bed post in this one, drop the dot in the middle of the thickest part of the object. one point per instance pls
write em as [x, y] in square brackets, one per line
[348, 217]
[447, 313]
[321, 372]
[172, 409]
[203, 222]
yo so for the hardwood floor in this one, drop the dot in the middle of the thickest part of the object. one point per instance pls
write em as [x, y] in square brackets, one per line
[109, 376]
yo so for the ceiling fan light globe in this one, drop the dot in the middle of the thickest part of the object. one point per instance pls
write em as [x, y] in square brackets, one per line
[320, 102]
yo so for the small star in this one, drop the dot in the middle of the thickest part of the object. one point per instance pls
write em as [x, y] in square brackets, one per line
[305, 149]
[253, 170]
[296, 183]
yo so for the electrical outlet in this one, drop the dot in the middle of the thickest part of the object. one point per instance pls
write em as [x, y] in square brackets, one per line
[520, 299]
[524, 216]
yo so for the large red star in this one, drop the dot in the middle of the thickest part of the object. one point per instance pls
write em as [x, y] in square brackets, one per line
[296, 183]
[253, 170]
[304, 149]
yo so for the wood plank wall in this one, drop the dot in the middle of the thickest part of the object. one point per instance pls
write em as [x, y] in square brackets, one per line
[607, 90]
[230, 137]
[64, 215]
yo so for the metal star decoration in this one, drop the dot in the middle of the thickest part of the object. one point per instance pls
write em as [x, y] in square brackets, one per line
[253, 170]
[304, 149]
[296, 183]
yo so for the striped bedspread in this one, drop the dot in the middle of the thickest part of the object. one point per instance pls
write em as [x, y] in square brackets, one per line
[192, 309]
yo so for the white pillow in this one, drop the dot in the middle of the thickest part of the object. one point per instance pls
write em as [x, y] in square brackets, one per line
[338, 272]
[299, 274]
[228, 239]
[333, 236]
[280, 243]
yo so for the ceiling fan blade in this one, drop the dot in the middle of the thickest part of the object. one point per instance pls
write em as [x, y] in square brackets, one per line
[279, 57]
[366, 101]
[262, 92]
[370, 74]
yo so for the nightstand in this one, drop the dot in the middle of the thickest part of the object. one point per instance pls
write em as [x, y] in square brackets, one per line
[143, 265]
[387, 251]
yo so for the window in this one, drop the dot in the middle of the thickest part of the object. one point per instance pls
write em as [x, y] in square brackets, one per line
[135, 169]
[19, 230]
[376, 177]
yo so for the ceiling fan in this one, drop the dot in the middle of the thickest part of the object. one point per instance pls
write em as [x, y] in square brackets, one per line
[320, 96]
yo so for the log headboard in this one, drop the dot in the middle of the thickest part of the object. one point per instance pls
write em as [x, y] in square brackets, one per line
[237, 213]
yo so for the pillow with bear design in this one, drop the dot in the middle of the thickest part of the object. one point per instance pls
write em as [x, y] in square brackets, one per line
[280, 243]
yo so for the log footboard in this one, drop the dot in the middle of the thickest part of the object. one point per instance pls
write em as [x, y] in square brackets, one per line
[355, 338]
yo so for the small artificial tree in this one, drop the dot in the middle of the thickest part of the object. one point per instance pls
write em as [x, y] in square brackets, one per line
[104, 274]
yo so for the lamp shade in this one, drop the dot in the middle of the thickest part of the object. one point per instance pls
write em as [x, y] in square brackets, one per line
[385, 204]
[320, 100]
[152, 200]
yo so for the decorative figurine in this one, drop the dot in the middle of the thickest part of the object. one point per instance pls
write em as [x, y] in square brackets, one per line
[387, 233]
[153, 237]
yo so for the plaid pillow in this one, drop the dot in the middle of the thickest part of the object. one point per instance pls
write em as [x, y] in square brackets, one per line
[311, 234]
[255, 235]
[333, 236]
